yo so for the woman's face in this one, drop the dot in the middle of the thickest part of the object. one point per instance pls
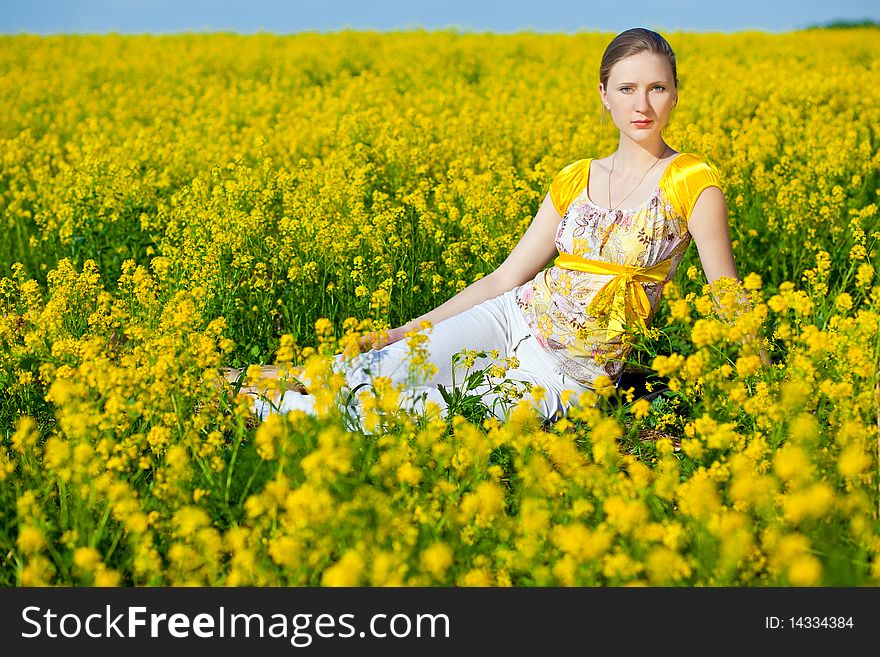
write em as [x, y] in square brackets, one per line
[640, 88]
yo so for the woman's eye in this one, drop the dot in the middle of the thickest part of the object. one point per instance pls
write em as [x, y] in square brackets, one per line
[656, 86]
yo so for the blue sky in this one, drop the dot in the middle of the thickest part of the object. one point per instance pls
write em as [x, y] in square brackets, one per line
[501, 16]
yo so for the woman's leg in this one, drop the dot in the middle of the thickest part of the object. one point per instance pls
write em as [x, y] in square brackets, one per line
[496, 324]
[552, 403]
[485, 327]
[536, 368]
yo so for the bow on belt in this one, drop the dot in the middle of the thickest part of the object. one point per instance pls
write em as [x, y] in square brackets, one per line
[623, 294]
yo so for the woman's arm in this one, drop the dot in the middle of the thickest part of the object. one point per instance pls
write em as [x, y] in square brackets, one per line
[474, 294]
[709, 227]
[530, 255]
[485, 288]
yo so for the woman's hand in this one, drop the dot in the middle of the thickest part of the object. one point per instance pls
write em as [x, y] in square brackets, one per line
[379, 339]
[761, 353]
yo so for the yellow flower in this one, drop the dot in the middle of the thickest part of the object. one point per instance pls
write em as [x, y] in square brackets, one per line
[158, 438]
[56, 452]
[706, 332]
[476, 577]
[534, 517]
[436, 559]
[804, 429]
[783, 550]
[864, 275]
[7, 466]
[87, 558]
[267, 437]
[189, 519]
[748, 365]
[604, 386]
[625, 515]
[407, 473]
[698, 497]
[852, 461]
[483, 505]
[791, 464]
[285, 550]
[581, 543]
[805, 570]
[667, 365]
[665, 566]
[641, 408]
[26, 434]
[105, 577]
[345, 572]
[176, 456]
[620, 565]
[30, 539]
[843, 302]
[538, 393]
[388, 570]
[680, 310]
[812, 502]
[752, 282]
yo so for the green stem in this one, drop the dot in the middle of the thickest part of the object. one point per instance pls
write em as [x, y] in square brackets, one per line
[249, 482]
[93, 541]
[207, 472]
[113, 545]
[229, 471]
[62, 499]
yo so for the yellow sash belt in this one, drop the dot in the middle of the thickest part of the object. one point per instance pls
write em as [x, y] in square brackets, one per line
[622, 299]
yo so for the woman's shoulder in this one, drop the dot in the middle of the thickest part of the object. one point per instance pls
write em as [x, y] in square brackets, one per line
[689, 174]
[687, 164]
[568, 183]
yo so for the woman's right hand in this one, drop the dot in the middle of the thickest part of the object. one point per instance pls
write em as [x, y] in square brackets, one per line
[376, 339]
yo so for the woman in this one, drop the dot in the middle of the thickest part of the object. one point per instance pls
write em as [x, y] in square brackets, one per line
[620, 224]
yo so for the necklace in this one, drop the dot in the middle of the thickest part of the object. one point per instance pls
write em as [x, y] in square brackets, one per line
[614, 207]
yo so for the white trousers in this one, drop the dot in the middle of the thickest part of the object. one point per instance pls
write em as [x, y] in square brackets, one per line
[495, 324]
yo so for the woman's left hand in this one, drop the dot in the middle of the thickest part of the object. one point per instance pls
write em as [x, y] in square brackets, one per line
[761, 353]
[379, 339]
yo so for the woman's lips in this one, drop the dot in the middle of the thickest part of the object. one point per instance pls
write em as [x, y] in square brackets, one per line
[641, 124]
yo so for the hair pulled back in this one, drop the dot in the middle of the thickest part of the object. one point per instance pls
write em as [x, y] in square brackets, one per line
[633, 42]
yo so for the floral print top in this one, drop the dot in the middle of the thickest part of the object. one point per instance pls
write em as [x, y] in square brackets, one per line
[555, 302]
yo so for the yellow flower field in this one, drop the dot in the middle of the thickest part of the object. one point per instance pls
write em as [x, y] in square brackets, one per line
[177, 204]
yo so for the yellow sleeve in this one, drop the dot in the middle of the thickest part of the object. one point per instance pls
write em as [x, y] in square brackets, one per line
[689, 178]
[568, 183]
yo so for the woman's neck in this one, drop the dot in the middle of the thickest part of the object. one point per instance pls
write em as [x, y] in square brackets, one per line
[635, 156]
